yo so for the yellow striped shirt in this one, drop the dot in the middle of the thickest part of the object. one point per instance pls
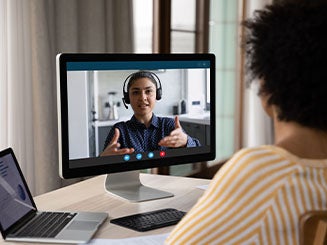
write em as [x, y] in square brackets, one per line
[257, 197]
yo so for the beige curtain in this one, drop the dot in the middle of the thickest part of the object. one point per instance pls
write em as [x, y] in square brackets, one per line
[42, 29]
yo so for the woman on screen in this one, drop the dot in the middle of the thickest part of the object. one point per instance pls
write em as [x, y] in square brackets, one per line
[145, 131]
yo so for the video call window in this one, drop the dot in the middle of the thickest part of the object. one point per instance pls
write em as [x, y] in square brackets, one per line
[95, 102]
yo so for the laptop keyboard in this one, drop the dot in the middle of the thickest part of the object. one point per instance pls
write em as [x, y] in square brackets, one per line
[150, 220]
[46, 224]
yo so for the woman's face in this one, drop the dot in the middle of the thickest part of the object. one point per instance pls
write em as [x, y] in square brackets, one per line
[142, 95]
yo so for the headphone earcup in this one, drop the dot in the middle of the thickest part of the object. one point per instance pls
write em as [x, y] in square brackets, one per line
[126, 98]
[159, 94]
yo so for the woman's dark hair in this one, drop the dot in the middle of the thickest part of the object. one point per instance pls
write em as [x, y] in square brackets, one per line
[141, 74]
[286, 47]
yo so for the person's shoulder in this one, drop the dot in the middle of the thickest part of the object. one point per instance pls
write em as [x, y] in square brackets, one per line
[255, 163]
[169, 119]
[257, 154]
[256, 149]
[266, 150]
[165, 120]
[119, 124]
[122, 124]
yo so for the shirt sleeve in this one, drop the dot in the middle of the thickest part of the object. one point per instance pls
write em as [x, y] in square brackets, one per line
[192, 142]
[231, 208]
[199, 221]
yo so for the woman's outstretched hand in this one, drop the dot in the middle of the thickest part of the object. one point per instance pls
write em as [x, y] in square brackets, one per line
[176, 138]
[113, 147]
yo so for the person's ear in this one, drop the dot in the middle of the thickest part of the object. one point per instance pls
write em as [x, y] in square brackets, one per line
[264, 97]
[268, 108]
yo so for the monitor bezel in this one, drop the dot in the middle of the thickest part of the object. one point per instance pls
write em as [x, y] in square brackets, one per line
[62, 107]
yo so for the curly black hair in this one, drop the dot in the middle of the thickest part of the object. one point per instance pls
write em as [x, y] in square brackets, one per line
[286, 47]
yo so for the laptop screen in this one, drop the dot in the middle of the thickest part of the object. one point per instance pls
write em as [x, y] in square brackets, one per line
[15, 200]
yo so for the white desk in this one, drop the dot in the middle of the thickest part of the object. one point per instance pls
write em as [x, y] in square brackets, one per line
[89, 195]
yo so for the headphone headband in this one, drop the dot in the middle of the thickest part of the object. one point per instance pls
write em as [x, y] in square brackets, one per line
[126, 99]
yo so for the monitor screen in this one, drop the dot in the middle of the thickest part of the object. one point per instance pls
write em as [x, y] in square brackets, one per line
[125, 112]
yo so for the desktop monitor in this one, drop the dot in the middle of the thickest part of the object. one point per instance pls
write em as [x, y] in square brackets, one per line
[95, 95]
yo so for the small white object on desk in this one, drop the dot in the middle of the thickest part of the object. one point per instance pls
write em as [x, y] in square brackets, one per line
[203, 187]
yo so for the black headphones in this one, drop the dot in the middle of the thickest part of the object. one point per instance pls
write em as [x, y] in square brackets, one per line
[141, 74]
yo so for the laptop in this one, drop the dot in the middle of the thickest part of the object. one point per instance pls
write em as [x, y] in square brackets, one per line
[21, 221]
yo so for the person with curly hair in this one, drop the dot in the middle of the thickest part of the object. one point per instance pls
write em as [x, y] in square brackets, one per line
[258, 196]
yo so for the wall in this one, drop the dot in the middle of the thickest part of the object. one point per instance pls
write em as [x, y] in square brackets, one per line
[173, 89]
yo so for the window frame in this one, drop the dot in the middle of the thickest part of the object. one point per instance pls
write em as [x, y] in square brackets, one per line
[162, 26]
[161, 43]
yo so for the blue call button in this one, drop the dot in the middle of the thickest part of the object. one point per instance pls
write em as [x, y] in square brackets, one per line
[150, 155]
[139, 156]
[127, 157]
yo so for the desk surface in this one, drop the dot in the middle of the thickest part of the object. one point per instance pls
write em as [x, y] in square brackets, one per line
[89, 195]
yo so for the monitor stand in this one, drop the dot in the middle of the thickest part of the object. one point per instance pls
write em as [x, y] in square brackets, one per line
[128, 185]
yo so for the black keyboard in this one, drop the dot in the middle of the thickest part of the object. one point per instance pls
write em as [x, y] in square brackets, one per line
[150, 220]
[46, 224]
